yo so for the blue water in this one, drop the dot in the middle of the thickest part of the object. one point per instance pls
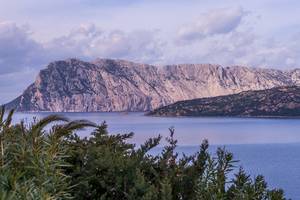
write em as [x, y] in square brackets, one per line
[264, 146]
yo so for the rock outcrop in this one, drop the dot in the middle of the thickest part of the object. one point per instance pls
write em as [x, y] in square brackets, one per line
[117, 85]
[275, 102]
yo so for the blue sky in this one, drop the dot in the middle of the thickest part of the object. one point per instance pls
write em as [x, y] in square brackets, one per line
[258, 33]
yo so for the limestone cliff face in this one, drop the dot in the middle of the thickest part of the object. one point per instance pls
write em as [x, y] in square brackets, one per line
[116, 85]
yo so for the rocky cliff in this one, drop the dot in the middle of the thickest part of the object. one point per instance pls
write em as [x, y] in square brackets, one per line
[276, 102]
[117, 85]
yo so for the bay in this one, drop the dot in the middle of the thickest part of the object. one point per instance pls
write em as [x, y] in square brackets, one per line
[264, 146]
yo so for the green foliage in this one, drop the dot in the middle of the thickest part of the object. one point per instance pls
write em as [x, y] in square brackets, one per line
[165, 189]
[33, 160]
[47, 160]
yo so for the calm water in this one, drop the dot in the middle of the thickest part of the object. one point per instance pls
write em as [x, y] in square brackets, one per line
[264, 146]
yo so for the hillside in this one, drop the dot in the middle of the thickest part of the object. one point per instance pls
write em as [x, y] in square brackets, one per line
[275, 102]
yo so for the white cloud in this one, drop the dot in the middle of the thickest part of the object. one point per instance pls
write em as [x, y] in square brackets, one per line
[89, 41]
[242, 47]
[19, 51]
[224, 43]
[220, 21]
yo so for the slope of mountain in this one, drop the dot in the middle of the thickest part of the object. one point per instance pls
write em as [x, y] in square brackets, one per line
[117, 85]
[275, 102]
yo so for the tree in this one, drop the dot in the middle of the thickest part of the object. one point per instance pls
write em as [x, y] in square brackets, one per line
[33, 160]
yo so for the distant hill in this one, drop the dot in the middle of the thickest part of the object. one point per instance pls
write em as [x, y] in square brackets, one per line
[275, 102]
[116, 85]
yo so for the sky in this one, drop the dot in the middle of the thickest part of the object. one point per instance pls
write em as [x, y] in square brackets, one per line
[254, 33]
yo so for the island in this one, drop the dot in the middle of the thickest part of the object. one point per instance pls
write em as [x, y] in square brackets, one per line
[275, 102]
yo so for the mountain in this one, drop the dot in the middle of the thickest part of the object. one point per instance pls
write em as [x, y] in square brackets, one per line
[275, 102]
[117, 85]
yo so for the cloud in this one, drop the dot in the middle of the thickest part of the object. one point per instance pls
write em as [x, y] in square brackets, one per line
[17, 50]
[240, 47]
[221, 21]
[89, 41]
[221, 42]
[271, 54]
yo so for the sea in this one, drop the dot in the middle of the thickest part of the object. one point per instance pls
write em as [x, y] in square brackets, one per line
[267, 146]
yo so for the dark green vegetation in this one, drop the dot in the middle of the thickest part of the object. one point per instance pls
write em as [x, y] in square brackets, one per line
[39, 162]
[275, 102]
